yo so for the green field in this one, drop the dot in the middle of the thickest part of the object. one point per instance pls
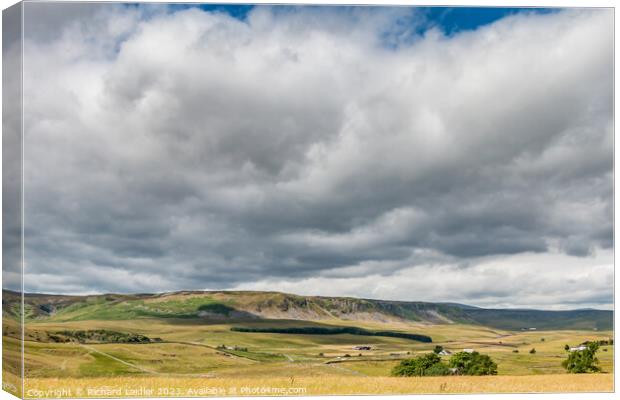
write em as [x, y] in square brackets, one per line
[192, 348]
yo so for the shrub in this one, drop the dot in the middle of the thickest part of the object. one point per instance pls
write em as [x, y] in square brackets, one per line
[515, 351]
[582, 361]
[473, 364]
[533, 351]
[103, 336]
[566, 347]
[438, 349]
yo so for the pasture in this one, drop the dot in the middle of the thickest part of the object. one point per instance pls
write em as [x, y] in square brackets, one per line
[203, 354]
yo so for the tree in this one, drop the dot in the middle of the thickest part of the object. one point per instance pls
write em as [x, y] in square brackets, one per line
[566, 347]
[582, 361]
[533, 351]
[426, 365]
[473, 364]
[438, 369]
[438, 349]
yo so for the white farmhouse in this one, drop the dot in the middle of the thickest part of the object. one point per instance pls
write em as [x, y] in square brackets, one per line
[468, 350]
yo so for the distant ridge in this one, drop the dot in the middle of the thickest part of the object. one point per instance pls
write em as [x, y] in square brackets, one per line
[240, 305]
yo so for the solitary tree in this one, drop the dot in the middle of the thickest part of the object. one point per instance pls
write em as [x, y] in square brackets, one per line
[438, 349]
[582, 361]
[426, 365]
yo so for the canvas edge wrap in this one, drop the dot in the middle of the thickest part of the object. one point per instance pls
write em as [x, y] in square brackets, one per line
[12, 198]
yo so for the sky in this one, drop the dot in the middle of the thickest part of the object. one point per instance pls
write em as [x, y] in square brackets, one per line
[460, 155]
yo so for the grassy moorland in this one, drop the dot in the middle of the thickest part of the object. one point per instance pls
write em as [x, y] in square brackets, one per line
[309, 385]
[192, 341]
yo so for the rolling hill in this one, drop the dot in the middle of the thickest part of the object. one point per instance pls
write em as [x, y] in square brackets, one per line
[249, 305]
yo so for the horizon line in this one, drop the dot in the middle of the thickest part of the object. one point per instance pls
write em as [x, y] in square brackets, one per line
[456, 303]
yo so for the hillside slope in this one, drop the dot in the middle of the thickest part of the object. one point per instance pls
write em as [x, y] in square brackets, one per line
[240, 305]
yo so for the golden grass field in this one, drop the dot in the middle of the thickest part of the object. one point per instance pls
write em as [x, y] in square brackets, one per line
[187, 387]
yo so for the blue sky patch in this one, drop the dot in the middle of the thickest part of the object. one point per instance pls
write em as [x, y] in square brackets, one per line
[451, 20]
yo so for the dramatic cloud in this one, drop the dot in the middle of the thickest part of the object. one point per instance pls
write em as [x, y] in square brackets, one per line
[321, 150]
[524, 280]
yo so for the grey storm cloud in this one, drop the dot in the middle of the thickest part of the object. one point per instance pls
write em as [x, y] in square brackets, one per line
[318, 150]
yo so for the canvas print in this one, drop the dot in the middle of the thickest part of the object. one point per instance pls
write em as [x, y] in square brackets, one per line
[303, 200]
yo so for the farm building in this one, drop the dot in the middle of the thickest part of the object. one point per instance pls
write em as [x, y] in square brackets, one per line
[578, 348]
[468, 350]
[445, 352]
[362, 348]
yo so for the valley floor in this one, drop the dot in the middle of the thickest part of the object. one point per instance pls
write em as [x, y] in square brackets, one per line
[201, 358]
